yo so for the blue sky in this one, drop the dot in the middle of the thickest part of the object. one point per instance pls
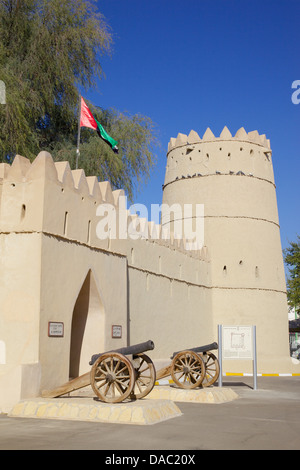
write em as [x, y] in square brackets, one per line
[195, 64]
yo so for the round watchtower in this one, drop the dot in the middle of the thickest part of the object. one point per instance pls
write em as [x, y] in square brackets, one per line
[232, 176]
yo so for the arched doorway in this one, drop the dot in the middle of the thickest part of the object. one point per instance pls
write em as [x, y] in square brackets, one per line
[87, 332]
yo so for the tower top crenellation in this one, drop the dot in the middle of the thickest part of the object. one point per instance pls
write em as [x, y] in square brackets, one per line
[241, 136]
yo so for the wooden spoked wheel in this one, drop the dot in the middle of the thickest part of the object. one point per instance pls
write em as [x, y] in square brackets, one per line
[112, 377]
[187, 369]
[212, 369]
[145, 375]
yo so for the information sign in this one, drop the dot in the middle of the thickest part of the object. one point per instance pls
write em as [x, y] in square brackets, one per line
[237, 342]
[55, 329]
[116, 331]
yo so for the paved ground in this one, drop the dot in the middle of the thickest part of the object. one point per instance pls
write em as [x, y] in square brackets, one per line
[267, 418]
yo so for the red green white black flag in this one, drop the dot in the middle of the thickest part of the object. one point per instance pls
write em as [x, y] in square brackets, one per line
[88, 120]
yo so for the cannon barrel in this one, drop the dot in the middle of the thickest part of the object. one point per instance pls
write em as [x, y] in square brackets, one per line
[128, 350]
[207, 347]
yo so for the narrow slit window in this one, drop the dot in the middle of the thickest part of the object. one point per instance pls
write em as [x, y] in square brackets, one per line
[66, 223]
[23, 211]
[88, 238]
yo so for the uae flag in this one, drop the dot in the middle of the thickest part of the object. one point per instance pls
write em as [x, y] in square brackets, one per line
[88, 120]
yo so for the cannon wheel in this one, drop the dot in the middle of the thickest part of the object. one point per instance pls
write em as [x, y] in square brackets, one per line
[212, 369]
[145, 375]
[112, 377]
[187, 369]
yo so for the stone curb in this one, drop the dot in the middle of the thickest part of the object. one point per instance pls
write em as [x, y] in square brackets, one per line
[203, 395]
[141, 412]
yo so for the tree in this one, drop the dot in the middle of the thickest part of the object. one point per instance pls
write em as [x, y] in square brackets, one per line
[129, 168]
[292, 260]
[49, 49]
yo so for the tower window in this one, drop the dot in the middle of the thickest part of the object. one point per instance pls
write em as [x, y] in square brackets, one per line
[23, 211]
[88, 238]
[65, 223]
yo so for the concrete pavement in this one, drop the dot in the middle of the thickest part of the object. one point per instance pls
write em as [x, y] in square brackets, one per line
[266, 418]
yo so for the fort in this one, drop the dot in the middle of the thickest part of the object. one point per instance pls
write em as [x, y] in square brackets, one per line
[67, 293]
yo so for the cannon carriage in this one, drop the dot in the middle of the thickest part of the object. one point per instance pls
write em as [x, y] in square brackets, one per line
[115, 375]
[192, 368]
[129, 373]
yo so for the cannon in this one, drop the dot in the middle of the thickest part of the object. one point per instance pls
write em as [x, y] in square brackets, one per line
[193, 367]
[115, 375]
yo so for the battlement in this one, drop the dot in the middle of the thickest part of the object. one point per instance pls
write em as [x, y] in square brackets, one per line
[47, 196]
[240, 136]
[244, 154]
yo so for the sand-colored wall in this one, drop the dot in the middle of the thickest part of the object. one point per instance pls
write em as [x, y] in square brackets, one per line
[97, 282]
[169, 296]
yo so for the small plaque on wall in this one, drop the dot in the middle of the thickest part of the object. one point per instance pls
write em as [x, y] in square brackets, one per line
[116, 331]
[55, 329]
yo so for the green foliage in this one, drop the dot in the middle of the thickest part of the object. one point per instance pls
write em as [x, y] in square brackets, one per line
[292, 260]
[137, 141]
[48, 50]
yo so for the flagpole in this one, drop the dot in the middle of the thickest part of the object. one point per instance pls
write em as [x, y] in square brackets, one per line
[78, 132]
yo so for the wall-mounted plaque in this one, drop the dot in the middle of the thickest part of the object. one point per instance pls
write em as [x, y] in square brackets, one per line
[116, 331]
[55, 329]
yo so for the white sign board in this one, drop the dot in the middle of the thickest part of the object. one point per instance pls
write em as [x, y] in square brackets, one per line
[237, 342]
[55, 329]
[116, 331]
